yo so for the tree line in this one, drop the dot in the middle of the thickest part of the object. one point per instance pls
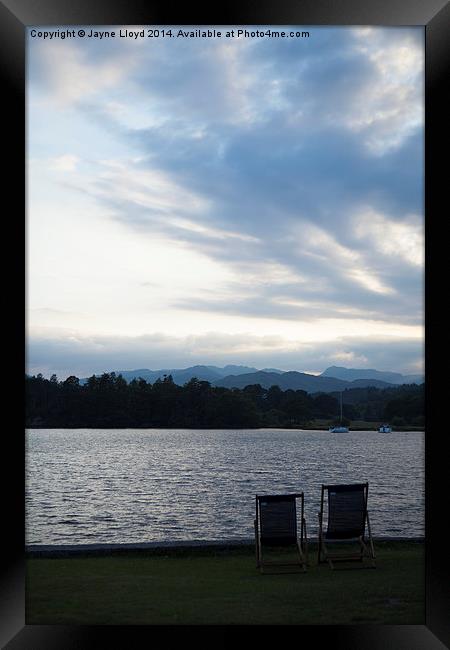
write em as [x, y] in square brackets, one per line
[109, 401]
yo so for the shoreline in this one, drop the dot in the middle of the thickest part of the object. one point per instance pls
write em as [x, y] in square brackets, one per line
[168, 547]
[373, 429]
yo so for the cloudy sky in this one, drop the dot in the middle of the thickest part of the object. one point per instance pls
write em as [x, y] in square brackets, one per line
[254, 201]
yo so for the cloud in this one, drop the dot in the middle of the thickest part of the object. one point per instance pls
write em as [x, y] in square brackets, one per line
[293, 166]
[65, 163]
[346, 261]
[349, 357]
[392, 108]
[68, 76]
[83, 356]
[403, 240]
[339, 259]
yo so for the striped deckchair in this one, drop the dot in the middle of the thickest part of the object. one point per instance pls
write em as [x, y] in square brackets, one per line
[346, 522]
[276, 527]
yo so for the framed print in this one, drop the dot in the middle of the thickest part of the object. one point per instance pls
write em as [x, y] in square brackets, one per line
[236, 202]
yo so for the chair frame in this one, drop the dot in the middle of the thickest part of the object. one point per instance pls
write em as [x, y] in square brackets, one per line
[301, 544]
[366, 548]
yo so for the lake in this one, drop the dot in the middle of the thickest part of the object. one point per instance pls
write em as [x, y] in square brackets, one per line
[144, 485]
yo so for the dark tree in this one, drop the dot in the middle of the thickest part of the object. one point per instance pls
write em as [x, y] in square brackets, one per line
[109, 401]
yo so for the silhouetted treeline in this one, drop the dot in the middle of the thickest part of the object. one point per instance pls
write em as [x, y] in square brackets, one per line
[108, 401]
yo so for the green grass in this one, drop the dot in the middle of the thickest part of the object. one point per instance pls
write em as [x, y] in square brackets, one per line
[224, 588]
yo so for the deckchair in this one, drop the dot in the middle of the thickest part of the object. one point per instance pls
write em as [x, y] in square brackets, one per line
[276, 527]
[346, 522]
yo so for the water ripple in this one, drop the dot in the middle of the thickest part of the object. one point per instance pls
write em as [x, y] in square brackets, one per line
[130, 485]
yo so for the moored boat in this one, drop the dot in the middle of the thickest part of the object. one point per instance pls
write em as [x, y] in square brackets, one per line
[340, 428]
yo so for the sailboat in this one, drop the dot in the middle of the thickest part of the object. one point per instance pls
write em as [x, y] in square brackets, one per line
[340, 428]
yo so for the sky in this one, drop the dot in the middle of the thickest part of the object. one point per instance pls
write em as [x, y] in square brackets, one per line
[254, 201]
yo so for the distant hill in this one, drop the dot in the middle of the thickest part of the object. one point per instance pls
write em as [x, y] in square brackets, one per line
[296, 381]
[182, 375]
[350, 374]
[235, 376]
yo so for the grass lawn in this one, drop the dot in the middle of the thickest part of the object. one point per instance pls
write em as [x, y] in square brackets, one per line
[224, 587]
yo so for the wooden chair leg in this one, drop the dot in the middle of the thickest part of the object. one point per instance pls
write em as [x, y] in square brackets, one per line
[322, 548]
[319, 543]
[301, 555]
[327, 556]
[306, 540]
[257, 549]
[370, 540]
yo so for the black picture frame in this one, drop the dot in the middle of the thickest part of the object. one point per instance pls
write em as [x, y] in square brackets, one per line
[433, 15]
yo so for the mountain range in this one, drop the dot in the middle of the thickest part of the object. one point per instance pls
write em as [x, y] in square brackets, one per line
[332, 379]
[350, 374]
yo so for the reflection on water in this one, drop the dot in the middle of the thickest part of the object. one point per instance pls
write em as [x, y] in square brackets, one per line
[112, 486]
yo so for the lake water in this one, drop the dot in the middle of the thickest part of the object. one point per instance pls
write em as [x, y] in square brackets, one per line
[142, 485]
